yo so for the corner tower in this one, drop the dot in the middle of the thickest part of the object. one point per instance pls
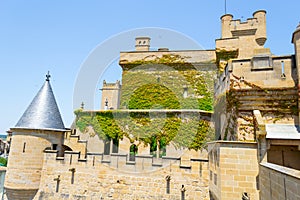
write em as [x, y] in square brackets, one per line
[248, 37]
[111, 95]
[40, 127]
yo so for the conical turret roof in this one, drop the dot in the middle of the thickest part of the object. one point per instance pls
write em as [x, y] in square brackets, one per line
[43, 112]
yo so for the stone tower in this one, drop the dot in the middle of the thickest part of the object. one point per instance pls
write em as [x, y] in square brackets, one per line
[40, 127]
[296, 42]
[111, 95]
[248, 37]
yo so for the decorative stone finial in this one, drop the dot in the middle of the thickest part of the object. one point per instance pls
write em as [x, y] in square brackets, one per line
[48, 76]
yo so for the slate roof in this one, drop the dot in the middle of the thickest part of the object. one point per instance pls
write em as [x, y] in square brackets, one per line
[43, 112]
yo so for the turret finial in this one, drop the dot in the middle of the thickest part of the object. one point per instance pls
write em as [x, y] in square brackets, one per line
[48, 76]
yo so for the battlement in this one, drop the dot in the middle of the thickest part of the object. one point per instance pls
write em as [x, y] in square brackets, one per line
[108, 86]
[236, 28]
[115, 177]
[243, 35]
[124, 162]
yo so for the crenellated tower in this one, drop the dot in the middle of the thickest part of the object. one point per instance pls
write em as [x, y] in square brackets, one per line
[247, 37]
[111, 95]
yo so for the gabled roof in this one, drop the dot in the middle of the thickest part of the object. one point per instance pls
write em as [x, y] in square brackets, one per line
[43, 112]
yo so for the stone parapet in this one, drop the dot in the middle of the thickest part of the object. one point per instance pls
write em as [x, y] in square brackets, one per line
[115, 177]
[278, 182]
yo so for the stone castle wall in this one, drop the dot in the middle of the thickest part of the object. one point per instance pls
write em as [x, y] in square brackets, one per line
[114, 177]
[26, 161]
[233, 170]
[268, 84]
[278, 182]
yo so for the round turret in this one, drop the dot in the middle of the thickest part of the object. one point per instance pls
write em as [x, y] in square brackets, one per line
[261, 33]
[226, 20]
[39, 128]
[296, 42]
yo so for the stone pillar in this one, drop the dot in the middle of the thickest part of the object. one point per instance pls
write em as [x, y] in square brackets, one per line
[260, 136]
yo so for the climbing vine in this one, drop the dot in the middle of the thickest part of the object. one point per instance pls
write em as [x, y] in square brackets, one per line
[237, 103]
[164, 87]
[183, 130]
[225, 55]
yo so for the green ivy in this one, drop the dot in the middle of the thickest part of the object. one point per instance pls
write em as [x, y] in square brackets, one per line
[163, 88]
[184, 130]
[151, 96]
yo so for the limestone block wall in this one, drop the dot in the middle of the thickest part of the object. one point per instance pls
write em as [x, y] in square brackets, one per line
[278, 182]
[245, 36]
[242, 89]
[94, 143]
[267, 77]
[2, 178]
[233, 170]
[118, 178]
[26, 161]
[74, 142]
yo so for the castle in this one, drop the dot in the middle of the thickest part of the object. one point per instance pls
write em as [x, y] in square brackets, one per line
[190, 124]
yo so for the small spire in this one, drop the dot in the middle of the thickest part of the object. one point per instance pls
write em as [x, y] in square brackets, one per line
[48, 76]
[106, 104]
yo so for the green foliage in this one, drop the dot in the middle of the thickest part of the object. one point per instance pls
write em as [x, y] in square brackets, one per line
[148, 127]
[3, 161]
[159, 82]
[163, 87]
[151, 96]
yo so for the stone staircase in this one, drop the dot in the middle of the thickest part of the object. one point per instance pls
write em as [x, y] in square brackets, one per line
[72, 140]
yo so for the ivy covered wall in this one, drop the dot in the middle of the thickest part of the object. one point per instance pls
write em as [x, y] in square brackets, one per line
[186, 130]
[167, 83]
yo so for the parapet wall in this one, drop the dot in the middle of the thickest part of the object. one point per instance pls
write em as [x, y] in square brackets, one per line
[278, 182]
[114, 177]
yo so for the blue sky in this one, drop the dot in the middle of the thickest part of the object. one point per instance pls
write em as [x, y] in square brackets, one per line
[37, 36]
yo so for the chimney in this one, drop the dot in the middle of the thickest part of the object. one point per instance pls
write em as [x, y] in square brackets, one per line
[142, 43]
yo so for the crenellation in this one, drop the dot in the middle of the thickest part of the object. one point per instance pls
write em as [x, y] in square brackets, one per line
[254, 92]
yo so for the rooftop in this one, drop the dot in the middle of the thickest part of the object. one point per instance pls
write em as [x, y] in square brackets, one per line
[43, 112]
